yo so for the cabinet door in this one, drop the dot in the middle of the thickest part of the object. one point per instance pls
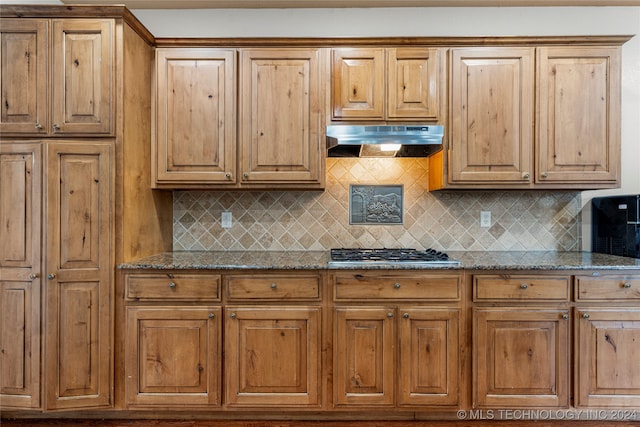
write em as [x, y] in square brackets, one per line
[82, 76]
[79, 197]
[358, 83]
[579, 114]
[607, 357]
[364, 351]
[413, 83]
[20, 213]
[281, 116]
[272, 356]
[172, 356]
[23, 78]
[492, 115]
[195, 115]
[520, 358]
[429, 371]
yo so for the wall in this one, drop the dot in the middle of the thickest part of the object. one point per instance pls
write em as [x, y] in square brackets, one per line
[320, 220]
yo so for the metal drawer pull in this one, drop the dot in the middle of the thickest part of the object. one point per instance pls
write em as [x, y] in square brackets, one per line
[38, 126]
[586, 315]
[232, 315]
[211, 315]
[33, 276]
[626, 285]
[273, 285]
[51, 276]
[523, 286]
[565, 316]
[172, 285]
[406, 315]
[396, 285]
[389, 314]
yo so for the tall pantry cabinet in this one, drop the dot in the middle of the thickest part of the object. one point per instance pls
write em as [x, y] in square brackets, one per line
[74, 199]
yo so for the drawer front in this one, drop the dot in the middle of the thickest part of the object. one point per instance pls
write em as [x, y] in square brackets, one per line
[520, 288]
[173, 286]
[281, 287]
[371, 286]
[619, 287]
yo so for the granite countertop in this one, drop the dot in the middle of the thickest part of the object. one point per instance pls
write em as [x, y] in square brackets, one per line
[314, 260]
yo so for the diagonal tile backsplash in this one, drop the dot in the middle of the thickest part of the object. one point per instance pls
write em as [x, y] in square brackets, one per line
[313, 220]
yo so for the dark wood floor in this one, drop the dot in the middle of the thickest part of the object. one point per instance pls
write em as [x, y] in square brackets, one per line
[226, 423]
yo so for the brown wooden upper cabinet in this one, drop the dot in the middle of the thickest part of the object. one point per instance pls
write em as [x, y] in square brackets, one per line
[386, 83]
[77, 100]
[275, 141]
[515, 124]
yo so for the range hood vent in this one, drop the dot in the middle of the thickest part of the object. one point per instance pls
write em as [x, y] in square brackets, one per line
[384, 141]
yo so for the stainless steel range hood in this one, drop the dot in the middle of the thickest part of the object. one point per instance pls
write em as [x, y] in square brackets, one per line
[384, 141]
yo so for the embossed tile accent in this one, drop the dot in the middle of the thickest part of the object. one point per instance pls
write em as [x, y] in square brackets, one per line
[444, 220]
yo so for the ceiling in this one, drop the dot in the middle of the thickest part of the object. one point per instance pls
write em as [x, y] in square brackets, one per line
[273, 4]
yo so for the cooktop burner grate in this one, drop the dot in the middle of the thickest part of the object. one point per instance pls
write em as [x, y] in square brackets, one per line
[359, 256]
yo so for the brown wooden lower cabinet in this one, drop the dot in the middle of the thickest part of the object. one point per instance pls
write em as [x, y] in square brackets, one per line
[173, 356]
[607, 357]
[520, 357]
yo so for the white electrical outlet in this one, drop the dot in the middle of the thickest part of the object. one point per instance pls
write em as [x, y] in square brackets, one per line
[227, 219]
[485, 219]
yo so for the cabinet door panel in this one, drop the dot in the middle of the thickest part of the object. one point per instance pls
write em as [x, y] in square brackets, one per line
[607, 357]
[273, 356]
[579, 96]
[78, 267]
[281, 116]
[196, 115]
[429, 357]
[491, 132]
[414, 77]
[20, 282]
[520, 358]
[358, 81]
[23, 60]
[173, 356]
[364, 349]
[82, 76]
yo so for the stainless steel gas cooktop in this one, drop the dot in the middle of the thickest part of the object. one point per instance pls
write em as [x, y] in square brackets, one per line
[392, 257]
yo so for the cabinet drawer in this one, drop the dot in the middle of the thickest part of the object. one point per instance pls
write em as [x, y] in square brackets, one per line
[522, 288]
[607, 288]
[178, 286]
[426, 287]
[287, 287]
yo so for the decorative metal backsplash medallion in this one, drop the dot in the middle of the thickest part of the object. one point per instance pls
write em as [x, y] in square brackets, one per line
[376, 204]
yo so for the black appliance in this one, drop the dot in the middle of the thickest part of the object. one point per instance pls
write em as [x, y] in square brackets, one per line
[615, 225]
[387, 256]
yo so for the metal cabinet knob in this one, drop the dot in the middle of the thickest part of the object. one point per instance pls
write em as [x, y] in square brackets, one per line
[274, 285]
[565, 316]
[396, 285]
[544, 174]
[38, 126]
[56, 127]
[389, 314]
[227, 175]
[33, 276]
[172, 285]
[586, 315]
[211, 315]
[51, 276]
[626, 285]
[245, 175]
[405, 315]
[523, 286]
[526, 175]
[232, 315]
